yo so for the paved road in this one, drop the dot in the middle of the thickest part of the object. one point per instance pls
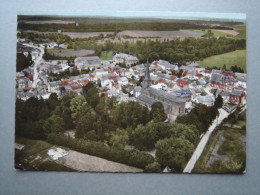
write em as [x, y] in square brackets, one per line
[36, 64]
[190, 165]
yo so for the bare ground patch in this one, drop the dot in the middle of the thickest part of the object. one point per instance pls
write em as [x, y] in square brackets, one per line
[75, 35]
[85, 162]
[77, 53]
[230, 32]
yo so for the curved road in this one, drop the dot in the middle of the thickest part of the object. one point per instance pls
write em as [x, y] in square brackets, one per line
[190, 165]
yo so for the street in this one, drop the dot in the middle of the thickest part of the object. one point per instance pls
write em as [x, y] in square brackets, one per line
[190, 165]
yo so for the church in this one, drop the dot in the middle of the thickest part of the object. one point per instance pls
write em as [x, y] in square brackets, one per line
[173, 105]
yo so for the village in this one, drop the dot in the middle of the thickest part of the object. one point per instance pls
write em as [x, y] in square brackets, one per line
[179, 88]
[131, 101]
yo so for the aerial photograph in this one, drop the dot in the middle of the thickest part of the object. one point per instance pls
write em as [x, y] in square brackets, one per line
[131, 92]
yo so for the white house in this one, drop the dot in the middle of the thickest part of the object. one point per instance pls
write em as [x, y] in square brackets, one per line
[124, 58]
[122, 81]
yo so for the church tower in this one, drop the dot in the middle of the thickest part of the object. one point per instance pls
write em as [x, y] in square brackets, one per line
[147, 79]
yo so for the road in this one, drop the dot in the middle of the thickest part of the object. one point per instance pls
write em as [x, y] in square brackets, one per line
[36, 64]
[190, 165]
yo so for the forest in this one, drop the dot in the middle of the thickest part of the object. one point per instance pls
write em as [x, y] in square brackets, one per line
[104, 127]
[114, 27]
[174, 51]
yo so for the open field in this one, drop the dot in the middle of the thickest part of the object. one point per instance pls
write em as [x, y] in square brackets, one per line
[49, 22]
[74, 35]
[182, 34]
[35, 157]
[85, 162]
[241, 30]
[233, 58]
[106, 55]
[228, 32]
[69, 53]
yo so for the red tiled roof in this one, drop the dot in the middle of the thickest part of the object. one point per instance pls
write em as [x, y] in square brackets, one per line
[156, 63]
[230, 74]
[161, 81]
[65, 83]
[182, 82]
[173, 78]
[198, 75]
[27, 89]
[76, 87]
[85, 83]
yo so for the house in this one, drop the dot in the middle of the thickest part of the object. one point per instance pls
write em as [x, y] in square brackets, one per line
[241, 80]
[137, 91]
[122, 81]
[238, 96]
[182, 83]
[54, 87]
[222, 80]
[90, 62]
[121, 58]
[105, 82]
[206, 100]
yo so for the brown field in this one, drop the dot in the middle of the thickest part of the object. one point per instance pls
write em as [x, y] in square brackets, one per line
[49, 22]
[68, 53]
[230, 32]
[84, 162]
[182, 34]
[74, 35]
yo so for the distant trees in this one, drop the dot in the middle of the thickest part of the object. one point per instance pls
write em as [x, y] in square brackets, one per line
[236, 69]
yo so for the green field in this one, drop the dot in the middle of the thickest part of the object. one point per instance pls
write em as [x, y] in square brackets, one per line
[106, 55]
[35, 157]
[233, 58]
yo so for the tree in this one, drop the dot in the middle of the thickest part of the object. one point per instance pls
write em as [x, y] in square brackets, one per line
[157, 112]
[152, 168]
[218, 102]
[119, 139]
[174, 152]
[79, 107]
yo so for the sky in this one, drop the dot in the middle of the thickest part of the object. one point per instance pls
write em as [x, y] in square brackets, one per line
[145, 14]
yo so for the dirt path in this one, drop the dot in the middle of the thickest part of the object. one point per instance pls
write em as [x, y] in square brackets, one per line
[85, 162]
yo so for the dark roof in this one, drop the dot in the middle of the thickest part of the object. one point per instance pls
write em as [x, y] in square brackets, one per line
[165, 95]
[151, 101]
[237, 92]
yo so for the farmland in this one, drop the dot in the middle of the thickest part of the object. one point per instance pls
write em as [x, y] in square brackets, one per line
[69, 53]
[233, 58]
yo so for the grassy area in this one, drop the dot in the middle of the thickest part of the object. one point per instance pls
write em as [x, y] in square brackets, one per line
[203, 159]
[233, 147]
[241, 30]
[35, 157]
[233, 58]
[106, 55]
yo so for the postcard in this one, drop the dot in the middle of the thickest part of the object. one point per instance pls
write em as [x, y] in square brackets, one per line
[131, 92]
